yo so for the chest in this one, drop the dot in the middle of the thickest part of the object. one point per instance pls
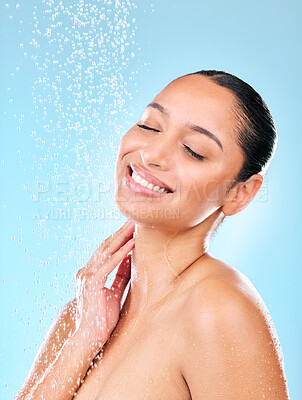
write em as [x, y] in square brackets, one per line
[140, 361]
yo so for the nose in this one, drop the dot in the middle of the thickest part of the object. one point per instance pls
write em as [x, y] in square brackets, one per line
[157, 153]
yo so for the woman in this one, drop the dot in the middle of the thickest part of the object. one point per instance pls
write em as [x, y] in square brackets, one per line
[191, 326]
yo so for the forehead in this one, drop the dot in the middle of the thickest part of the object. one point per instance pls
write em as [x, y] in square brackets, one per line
[198, 100]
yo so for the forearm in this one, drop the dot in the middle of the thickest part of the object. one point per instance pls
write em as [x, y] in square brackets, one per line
[62, 328]
[63, 376]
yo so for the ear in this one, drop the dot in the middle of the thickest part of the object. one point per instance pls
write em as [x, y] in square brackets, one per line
[241, 195]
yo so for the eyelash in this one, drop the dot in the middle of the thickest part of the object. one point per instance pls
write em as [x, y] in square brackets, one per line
[193, 154]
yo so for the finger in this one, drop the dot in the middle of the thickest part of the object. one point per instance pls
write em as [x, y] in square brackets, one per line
[114, 260]
[109, 246]
[122, 277]
[109, 241]
[117, 241]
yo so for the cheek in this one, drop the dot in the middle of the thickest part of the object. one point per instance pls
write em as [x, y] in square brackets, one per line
[129, 143]
[219, 179]
[215, 192]
[123, 146]
[206, 190]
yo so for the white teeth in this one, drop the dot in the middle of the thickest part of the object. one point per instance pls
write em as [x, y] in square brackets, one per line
[145, 183]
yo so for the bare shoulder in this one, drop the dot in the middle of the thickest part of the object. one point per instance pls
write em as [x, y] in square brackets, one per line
[228, 291]
[227, 299]
[229, 333]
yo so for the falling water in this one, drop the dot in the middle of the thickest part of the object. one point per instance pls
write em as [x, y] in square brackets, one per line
[70, 89]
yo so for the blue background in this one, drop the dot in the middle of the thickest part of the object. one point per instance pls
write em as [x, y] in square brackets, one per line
[74, 77]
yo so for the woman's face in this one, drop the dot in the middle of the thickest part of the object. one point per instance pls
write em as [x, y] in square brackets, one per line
[184, 143]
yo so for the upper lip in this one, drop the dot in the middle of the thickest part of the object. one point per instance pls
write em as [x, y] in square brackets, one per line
[150, 178]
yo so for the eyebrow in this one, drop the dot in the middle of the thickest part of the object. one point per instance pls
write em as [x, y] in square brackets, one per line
[195, 128]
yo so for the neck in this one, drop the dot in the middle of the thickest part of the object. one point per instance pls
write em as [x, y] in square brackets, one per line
[161, 258]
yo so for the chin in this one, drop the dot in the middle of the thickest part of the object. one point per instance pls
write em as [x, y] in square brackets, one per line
[164, 219]
[156, 217]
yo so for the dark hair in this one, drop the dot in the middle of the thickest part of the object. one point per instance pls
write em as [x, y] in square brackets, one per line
[257, 135]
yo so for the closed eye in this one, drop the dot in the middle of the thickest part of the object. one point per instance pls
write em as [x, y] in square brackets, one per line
[193, 154]
[147, 127]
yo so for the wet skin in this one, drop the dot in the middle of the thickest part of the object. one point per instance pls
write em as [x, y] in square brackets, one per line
[191, 326]
[173, 230]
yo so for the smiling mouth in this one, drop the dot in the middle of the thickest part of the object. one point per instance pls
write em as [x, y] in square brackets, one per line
[147, 182]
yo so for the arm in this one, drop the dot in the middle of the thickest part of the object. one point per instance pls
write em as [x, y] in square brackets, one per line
[62, 328]
[232, 350]
[61, 377]
[84, 325]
